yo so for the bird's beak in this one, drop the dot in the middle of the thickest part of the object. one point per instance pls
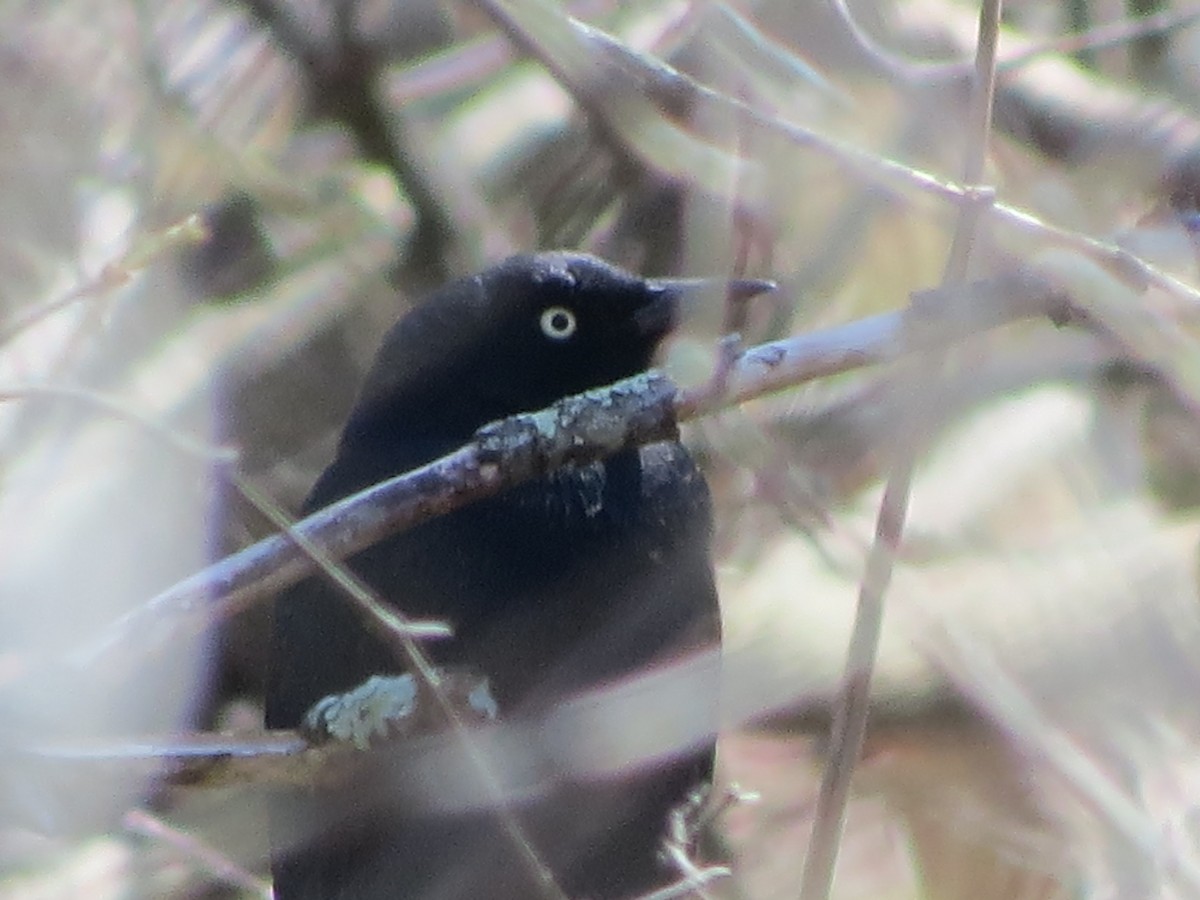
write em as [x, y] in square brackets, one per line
[669, 296]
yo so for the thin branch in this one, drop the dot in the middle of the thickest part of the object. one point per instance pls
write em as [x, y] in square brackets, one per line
[694, 881]
[923, 384]
[1099, 37]
[746, 40]
[893, 67]
[384, 619]
[113, 275]
[527, 757]
[118, 408]
[1056, 108]
[583, 428]
[1139, 332]
[198, 852]
[573, 723]
[921, 73]
[467, 63]
[403, 635]
[643, 80]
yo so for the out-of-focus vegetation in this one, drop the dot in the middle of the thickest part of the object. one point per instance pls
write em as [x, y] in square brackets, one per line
[212, 210]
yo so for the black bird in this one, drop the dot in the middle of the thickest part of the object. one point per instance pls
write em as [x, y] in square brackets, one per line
[564, 583]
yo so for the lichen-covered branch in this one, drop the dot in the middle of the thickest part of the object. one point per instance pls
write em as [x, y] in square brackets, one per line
[576, 430]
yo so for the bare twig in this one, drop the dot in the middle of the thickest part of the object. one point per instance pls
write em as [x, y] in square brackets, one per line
[384, 619]
[589, 426]
[112, 276]
[1099, 37]
[403, 635]
[215, 863]
[695, 879]
[1060, 109]
[1153, 340]
[466, 63]
[853, 702]
[449, 780]
[574, 52]
[118, 408]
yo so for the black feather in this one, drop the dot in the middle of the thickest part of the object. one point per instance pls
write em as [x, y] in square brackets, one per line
[559, 585]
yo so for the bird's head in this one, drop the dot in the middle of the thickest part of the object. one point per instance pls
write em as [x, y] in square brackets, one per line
[515, 338]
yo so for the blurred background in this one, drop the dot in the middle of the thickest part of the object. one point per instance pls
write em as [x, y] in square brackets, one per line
[212, 209]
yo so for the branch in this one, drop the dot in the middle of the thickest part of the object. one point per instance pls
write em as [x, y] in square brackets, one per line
[923, 381]
[577, 430]
[642, 91]
[525, 755]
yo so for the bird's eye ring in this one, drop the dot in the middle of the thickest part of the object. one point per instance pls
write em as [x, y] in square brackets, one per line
[558, 323]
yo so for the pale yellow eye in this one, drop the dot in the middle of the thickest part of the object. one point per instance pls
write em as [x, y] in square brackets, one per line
[558, 323]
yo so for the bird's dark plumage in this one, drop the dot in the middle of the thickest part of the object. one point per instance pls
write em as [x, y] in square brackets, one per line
[561, 584]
